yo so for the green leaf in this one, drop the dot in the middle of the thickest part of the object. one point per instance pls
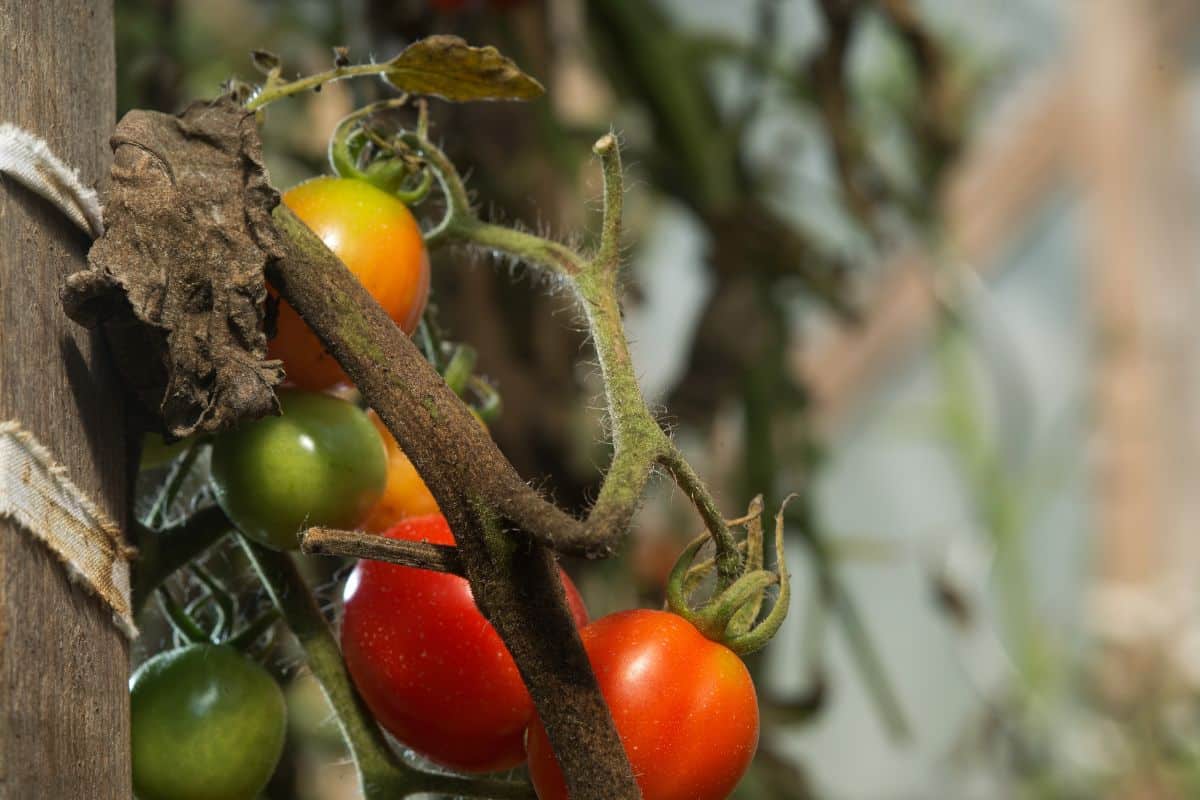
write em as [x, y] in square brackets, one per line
[448, 67]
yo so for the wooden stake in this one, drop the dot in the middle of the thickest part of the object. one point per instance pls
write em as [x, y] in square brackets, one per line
[64, 705]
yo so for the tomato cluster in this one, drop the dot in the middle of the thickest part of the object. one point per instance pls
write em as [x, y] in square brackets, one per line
[208, 721]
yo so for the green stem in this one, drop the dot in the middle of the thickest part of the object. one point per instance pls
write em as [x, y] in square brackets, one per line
[180, 620]
[638, 441]
[170, 491]
[161, 552]
[458, 371]
[226, 603]
[269, 94]
[488, 402]
[608, 257]
[728, 557]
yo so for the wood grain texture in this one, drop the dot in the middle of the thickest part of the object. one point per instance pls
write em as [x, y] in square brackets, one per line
[64, 730]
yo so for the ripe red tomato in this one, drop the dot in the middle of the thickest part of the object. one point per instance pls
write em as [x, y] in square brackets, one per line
[684, 707]
[432, 670]
[376, 236]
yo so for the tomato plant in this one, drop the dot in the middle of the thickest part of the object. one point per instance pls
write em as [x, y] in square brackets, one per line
[320, 463]
[432, 670]
[428, 665]
[684, 707]
[207, 724]
[377, 238]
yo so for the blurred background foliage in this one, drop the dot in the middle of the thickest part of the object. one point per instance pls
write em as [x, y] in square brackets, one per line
[856, 273]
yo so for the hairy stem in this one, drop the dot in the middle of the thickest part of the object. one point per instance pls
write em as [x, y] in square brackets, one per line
[728, 556]
[512, 575]
[269, 94]
[638, 441]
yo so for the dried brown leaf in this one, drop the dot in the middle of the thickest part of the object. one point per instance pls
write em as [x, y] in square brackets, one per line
[178, 278]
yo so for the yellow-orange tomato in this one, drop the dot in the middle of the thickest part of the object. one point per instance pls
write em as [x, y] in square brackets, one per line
[405, 494]
[376, 236]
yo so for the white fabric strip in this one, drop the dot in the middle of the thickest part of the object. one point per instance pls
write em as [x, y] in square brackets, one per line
[30, 161]
[36, 493]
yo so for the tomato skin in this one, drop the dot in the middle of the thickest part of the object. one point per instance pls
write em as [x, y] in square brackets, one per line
[684, 707]
[431, 669]
[321, 463]
[376, 236]
[207, 724]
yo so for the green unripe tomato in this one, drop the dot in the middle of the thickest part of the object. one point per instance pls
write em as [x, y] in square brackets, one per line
[207, 724]
[320, 464]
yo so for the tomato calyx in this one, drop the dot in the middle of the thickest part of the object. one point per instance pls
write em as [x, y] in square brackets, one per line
[731, 615]
[357, 150]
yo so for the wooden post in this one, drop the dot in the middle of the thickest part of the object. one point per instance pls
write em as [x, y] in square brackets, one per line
[64, 715]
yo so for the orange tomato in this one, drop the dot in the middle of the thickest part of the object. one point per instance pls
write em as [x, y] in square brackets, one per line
[376, 236]
[405, 494]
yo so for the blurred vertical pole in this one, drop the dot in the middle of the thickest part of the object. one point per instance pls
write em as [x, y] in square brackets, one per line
[64, 705]
[1133, 162]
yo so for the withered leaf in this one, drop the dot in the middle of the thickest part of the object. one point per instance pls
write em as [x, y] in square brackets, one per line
[177, 279]
[266, 62]
[448, 67]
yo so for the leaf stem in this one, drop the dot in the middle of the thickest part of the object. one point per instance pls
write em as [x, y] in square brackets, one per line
[179, 472]
[269, 94]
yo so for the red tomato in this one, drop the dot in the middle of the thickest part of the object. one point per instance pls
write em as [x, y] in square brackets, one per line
[376, 236]
[684, 707]
[432, 670]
